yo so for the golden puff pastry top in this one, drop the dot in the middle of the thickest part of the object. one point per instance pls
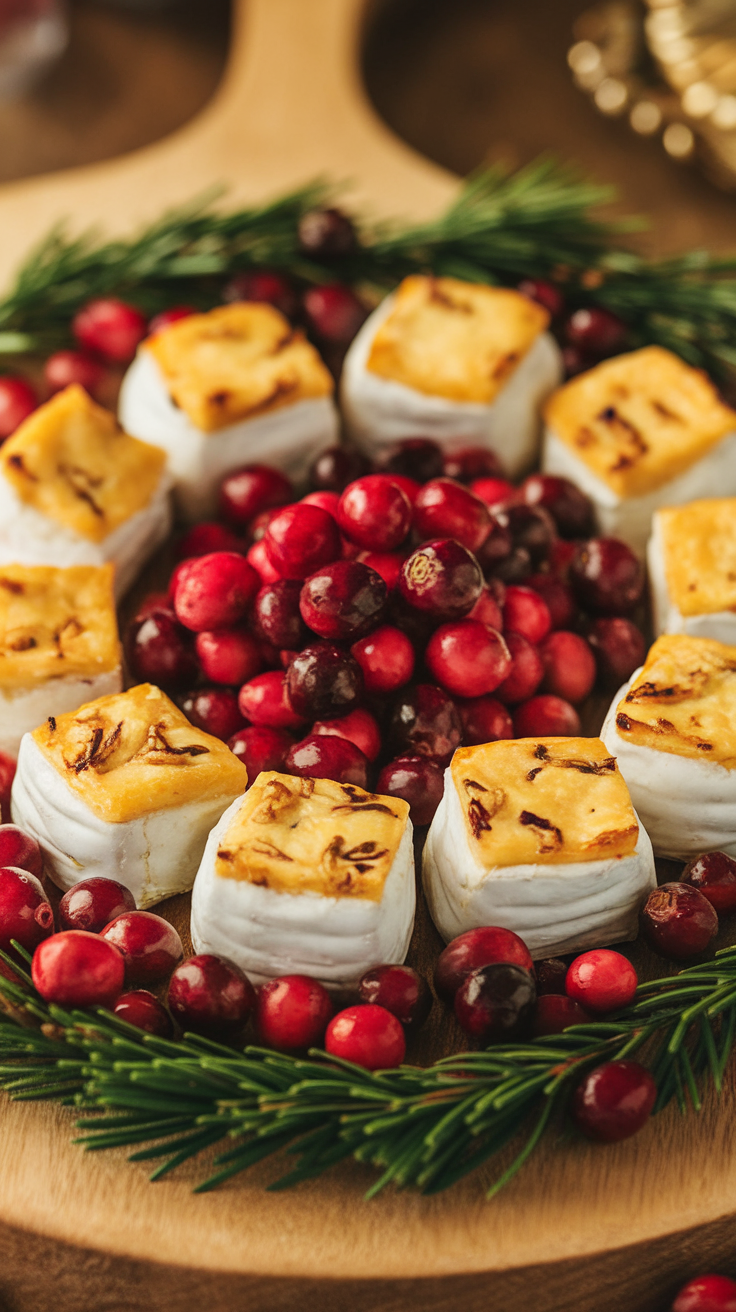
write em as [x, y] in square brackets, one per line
[70, 460]
[459, 340]
[543, 801]
[699, 552]
[297, 835]
[684, 700]
[135, 752]
[236, 362]
[639, 420]
[56, 623]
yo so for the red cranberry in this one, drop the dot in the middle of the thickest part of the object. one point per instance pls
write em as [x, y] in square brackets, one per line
[17, 401]
[215, 591]
[110, 328]
[554, 1014]
[154, 602]
[386, 658]
[679, 921]
[93, 903]
[418, 458]
[486, 946]
[619, 648]
[326, 232]
[213, 710]
[336, 467]
[557, 596]
[260, 522]
[159, 652]
[265, 701]
[606, 576]
[150, 945]
[369, 1036]
[265, 286]
[399, 989]
[228, 655]
[19, 850]
[325, 756]
[328, 501]
[484, 721]
[210, 995]
[323, 681]
[167, 317]
[545, 294]
[575, 361]
[614, 1101]
[334, 312]
[375, 513]
[494, 491]
[441, 578]
[466, 464]
[496, 1002]
[596, 331]
[386, 563]
[546, 716]
[178, 573]
[260, 748]
[77, 969]
[300, 540]
[444, 508]
[408, 486]
[569, 666]
[277, 616]
[7, 775]
[467, 658]
[526, 671]
[569, 507]
[531, 527]
[551, 975]
[343, 600]
[426, 722]
[526, 613]
[707, 1293]
[205, 538]
[601, 980]
[560, 559]
[713, 874]
[258, 560]
[359, 727]
[418, 780]
[64, 368]
[25, 913]
[487, 610]
[292, 1013]
[248, 491]
[142, 1008]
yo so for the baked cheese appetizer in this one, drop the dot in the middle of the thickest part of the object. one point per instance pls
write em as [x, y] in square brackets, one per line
[538, 835]
[124, 787]
[692, 569]
[672, 729]
[454, 361]
[307, 876]
[640, 431]
[224, 389]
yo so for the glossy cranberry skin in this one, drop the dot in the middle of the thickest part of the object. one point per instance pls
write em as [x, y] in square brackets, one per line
[485, 946]
[323, 681]
[359, 727]
[441, 578]
[418, 780]
[601, 980]
[709, 1293]
[468, 658]
[259, 561]
[551, 975]
[417, 458]
[210, 995]
[569, 666]
[484, 721]
[326, 232]
[496, 1003]
[531, 527]
[213, 710]
[525, 612]
[20, 850]
[325, 756]
[215, 591]
[260, 748]
[554, 1013]
[343, 600]
[277, 616]
[495, 491]
[595, 331]
[248, 491]
[7, 775]
[426, 722]
[487, 610]
[300, 540]
[466, 464]
[93, 903]
[336, 467]
[375, 513]
[606, 576]
[526, 671]
[230, 656]
[150, 946]
[399, 989]
[77, 969]
[328, 501]
[445, 509]
[265, 701]
[546, 716]
[619, 648]
[558, 597]
[110, 328]
[142, 1008]
[205, 538]
[334, 312]
[545, 294]
[369, 1035]
[386, 659]
[679, 921]
[570, 509]
[292, 1013]
[262, 285]
[167, 317]
[614, 1101]
[409, 487]
[66, 367]
[386, 563]
[17, 401]
[159, 651]
[713, 874]
[25, 913]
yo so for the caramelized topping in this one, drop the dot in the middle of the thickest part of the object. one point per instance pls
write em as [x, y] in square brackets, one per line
[699, 550]
[56, 623]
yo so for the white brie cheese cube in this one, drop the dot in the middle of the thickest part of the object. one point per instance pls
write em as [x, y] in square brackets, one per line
[307, 876]
[453, 361]
[691, 558]
[538, 836]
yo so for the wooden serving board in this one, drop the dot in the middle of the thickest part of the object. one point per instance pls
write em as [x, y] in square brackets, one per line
[584, 1229]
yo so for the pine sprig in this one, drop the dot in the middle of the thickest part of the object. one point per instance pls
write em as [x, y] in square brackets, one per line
[426, 1128]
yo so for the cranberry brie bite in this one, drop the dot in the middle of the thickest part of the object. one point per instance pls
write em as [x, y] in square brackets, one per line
[76, 490]
[538, 836]
[673, 730]
[692, 569]
[124, 787]
[638, 432]
[223, 389]
[307, 876]
[58, 644]
[455, 361]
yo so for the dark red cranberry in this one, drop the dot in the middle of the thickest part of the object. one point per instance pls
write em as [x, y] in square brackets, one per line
[484, 721]
[569, 666]
[708, 1293]
[495, 491]
[554, 1014]
[325, 756]
[110, 328]
[619, 648]
[545, 294]
[277, 616]
[359, 727]
[150, 946]
[17, 401]
[334, 312]
[525, 612]
[386, 658]
[498, 549]
[426, 722]
[560, 559]
[323, 681]
[417, 625]
[375, 513]
[525, 674]
[606, 576]
[418, 780]
[300, 540]
[205, 538]
[551, 975]
[369, 1036]
[159, 651]
[399, 989]
[558, 597]
[265, 701]
[531, 527]
[93, 903]
[546, 716]
[485, 946]
[260, 748]
[228, 655]
[142, 1008]
[713, 874]
[514, 568]
[210, 995]
[418, 458]
[292, 1013]
[343, 600]
[167, 317]
[441, 578]
[614, 1101]
[570, 509]
[153, 602]
[214, 710]
[248, 491]
[7, 775]
[466, 464]
[679, 921]
[77, 969]
[444, 508]
[25, 913]
[575, 361]
[215, 591]
[262, 285]
[326, 232]
[336, 467]
[64, 368]
[596, 331]
[20, 850]
[496, 1002]
[468, 658]
[601, 980]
